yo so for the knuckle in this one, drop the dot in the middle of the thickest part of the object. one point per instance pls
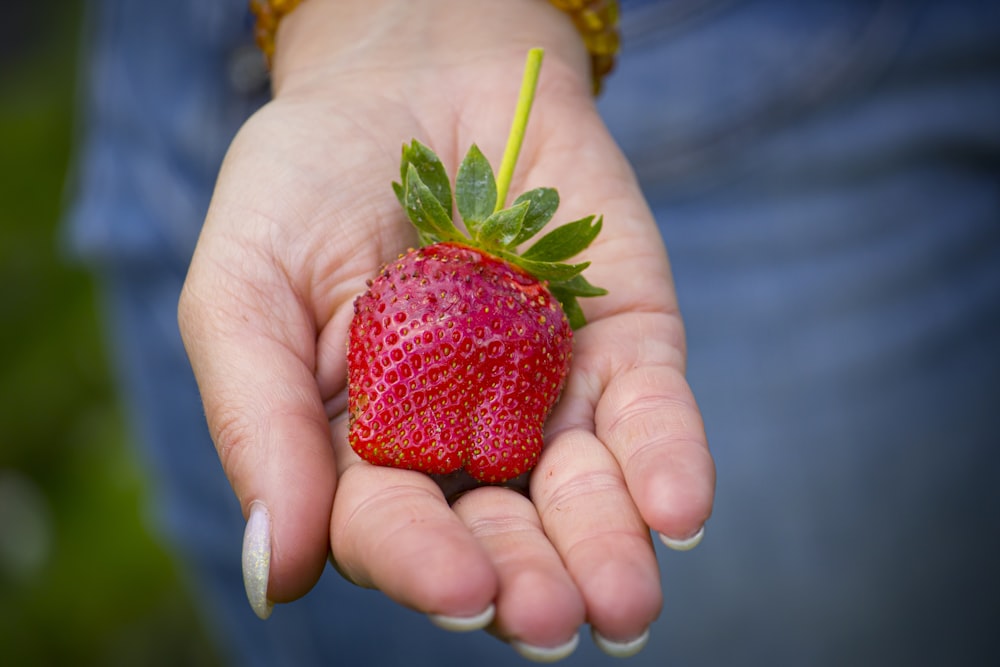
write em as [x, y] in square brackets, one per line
[232, 431]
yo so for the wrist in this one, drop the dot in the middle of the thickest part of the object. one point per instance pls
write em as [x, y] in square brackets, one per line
[325, 37]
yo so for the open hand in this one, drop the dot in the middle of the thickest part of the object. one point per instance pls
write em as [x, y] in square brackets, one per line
[303, 214]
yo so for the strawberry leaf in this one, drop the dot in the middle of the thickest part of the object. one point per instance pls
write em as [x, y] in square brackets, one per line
[542, 205]
[567, 293]
[503, 226]
[400, 191]
[431, 172]
[425, 210]
[475, 189]
[577, 286]
[565, 241]
[570, 306]
[554, 272]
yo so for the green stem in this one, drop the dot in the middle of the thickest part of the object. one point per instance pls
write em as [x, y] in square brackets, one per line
[529, 82]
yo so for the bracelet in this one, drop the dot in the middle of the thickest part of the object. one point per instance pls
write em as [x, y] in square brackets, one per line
[597, 23]
[595, 20]
[268, 14]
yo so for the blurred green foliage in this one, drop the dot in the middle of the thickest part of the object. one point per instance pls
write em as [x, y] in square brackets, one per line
[82, 581]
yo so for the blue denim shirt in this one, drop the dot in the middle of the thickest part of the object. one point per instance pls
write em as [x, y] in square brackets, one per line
[166, 86]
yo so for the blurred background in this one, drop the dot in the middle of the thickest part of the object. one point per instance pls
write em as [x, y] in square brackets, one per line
[82, 581]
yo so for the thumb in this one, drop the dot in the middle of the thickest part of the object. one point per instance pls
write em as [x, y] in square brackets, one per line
[252, 348]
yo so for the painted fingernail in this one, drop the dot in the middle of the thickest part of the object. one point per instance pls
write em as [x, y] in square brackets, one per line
[618, 649]
[543, 654]
[686, 544]
[464, 623]
[257, 559]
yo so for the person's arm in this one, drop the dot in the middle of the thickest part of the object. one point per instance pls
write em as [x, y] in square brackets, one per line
[303, 214]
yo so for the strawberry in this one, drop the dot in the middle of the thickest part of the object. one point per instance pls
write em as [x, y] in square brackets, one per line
[459, 349]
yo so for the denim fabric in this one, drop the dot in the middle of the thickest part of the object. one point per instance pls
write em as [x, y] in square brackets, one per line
[167, 84]
[826, 178]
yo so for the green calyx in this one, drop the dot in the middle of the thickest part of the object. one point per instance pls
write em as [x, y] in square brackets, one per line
[426, 195]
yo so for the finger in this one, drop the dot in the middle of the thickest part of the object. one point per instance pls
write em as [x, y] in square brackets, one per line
[538, 605]
[392, 529]
[627, 380]
[589, 516]
[649, 420]
[267, 420]
[647, 416]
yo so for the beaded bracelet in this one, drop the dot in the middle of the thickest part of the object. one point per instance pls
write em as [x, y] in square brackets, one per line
[268, 14]
[597, 23]
[595, 20]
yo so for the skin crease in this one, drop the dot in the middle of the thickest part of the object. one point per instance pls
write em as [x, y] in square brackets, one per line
[303, 214]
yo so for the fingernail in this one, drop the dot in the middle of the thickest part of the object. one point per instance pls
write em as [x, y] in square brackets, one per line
[620, 649]
[543, 654]
[686, 544]
[464, 623]
[257, 559]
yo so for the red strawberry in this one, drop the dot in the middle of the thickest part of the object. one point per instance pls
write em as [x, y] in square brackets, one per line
[459, 350]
